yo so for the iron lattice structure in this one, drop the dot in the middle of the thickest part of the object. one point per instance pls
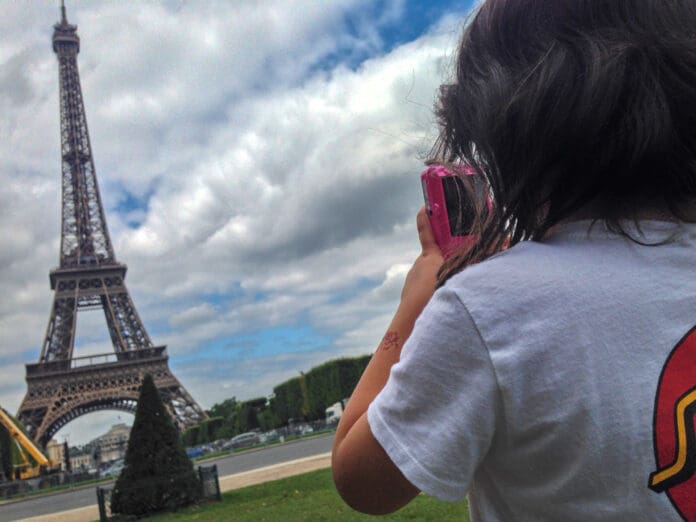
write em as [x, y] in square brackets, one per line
[61, 387]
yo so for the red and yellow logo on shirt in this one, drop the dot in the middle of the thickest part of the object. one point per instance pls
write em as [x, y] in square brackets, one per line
[674, 430]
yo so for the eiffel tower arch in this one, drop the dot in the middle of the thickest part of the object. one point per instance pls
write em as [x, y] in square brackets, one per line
[61, 387]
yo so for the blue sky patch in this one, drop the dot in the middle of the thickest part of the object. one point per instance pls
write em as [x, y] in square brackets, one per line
[133, 208]
[416, 17]
[263, 343]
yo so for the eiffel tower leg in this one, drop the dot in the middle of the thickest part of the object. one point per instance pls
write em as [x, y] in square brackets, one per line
[60, 333]
[184, 410]
[126, 328]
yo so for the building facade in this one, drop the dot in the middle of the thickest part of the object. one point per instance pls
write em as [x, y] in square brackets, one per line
[55, 451]
[113, 444]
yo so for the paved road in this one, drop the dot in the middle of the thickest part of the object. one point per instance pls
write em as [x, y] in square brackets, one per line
[229, 465]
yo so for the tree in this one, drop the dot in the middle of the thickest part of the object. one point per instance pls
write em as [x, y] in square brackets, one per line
[268, 420]
[190, 436]
[157, 474]
[214, 426]
[203, 435]
[6, 453]
[66, 457]
[226, 409]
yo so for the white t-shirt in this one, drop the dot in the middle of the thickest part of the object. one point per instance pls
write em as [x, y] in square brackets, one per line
[547, 381]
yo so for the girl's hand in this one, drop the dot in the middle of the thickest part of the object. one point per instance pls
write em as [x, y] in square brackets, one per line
[422, 277]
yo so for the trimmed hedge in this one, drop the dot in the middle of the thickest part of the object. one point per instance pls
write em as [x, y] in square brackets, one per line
[305, 397]
[323, 386]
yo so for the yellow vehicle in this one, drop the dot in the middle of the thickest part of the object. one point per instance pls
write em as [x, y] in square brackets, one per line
[35, 463]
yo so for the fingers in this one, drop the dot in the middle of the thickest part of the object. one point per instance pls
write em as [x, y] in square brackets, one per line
[425, 232]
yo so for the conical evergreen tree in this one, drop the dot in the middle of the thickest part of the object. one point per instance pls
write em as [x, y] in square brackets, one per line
[157, 474]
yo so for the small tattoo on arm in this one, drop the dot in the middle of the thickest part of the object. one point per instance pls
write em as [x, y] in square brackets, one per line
[389, 341]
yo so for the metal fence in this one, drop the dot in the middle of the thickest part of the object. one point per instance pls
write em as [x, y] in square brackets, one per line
[210, 485]
[15, 488]
[104, 501]
[210, 482]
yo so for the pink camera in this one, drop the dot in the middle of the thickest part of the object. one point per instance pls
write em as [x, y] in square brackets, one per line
[449, 206]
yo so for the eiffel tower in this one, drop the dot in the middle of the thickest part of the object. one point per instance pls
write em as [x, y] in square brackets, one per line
[61, 387]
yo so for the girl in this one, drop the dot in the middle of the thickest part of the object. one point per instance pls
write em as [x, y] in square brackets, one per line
[555, 380]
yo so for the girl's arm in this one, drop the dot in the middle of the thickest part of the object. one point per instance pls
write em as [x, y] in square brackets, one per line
[364, 474]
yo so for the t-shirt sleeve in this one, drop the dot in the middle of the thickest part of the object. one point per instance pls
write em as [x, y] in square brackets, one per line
[437, 414]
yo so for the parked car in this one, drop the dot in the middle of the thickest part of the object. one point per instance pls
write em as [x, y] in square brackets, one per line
[218, 444]
[299, 428]
[194, 452]
[270, 436]
[115, 469]
[243, 440]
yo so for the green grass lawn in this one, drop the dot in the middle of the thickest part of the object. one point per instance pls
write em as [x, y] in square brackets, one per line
[308, 497]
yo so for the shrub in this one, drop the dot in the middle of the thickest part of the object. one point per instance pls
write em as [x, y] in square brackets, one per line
[157, 474]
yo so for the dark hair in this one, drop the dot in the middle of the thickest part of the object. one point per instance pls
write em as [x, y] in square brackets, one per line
[559, 103]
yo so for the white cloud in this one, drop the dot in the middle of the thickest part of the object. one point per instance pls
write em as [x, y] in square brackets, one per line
[274, 190]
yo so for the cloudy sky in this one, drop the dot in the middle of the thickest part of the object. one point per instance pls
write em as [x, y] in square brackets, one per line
[258, 163]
